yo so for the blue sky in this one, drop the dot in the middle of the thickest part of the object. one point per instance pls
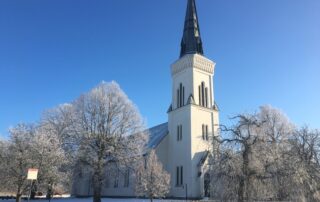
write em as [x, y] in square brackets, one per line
[267, 52]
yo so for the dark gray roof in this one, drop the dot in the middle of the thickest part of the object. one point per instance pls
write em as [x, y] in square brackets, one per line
[203, 158]
[191, 41]
[156, 135]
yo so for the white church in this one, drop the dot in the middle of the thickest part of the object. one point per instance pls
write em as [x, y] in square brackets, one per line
[182, 144]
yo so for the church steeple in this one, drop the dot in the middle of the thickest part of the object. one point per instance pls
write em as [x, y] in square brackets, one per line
[191, 41]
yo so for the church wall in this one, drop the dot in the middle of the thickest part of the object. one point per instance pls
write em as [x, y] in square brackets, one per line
[199, 116]
[82, 182]
[179, 151]
[81, 185]
[121, 190]
[162, 152]
[216, 122]
[202, 71]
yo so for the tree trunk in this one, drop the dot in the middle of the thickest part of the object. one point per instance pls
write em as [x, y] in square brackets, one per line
[96, 188]
[244, 180]
[18, 197]
[241, 190]
[96, 193]
[50, 192]
[96, 197]
[33, 190]
[281, 190]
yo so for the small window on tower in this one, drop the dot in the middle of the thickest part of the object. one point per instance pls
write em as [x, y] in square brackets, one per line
[179, 176]
[206, 97]
[180, 96]
[200, 101]
[179, 132]
[203, 95]
[205, 133]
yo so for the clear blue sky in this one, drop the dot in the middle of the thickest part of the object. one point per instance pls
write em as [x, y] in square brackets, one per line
[267, 52]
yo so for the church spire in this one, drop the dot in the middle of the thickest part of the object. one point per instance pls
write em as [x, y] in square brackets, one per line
[191, 40]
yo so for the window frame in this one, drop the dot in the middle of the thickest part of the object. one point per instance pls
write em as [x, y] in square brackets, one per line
[179, 176]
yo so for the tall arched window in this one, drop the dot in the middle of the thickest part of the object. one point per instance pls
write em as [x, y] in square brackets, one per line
[180, 96]
[205, 133]
[179, 176]
[179, 132]
[203, 95]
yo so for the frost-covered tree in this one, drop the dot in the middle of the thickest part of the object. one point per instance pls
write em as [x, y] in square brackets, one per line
[17, 158]
[304, 159]
[50, 158]
[225, 174]
[109, 129]
[249, 156]
[29, 147]
[276, 132]
[3, 150]
[58, 122]
[264, 157]
[243, 135]
[152, 180]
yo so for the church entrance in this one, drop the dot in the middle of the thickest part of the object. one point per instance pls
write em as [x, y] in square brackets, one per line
[207, 185]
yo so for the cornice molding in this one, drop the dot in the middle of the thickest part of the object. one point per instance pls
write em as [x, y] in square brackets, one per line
[193, 61]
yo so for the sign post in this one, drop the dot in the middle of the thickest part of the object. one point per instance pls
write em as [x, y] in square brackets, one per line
[32, 175]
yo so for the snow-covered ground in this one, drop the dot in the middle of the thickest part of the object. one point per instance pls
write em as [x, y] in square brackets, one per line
[103, 200]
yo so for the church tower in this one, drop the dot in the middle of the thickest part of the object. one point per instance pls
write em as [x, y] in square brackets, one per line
[193, 117]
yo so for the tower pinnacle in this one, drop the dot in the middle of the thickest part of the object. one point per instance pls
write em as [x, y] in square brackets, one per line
[191, 41]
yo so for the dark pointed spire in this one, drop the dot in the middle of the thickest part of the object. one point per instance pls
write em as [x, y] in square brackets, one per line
[191, 40]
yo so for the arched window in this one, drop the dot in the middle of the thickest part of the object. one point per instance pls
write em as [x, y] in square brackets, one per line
[206, 97]
[203, 95]
[180, 96]
[179, 176]
[179, 132]
[205, 133]
[116, 180]
[126, 178]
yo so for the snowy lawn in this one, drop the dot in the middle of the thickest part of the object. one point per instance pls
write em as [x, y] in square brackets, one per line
[90, 200]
